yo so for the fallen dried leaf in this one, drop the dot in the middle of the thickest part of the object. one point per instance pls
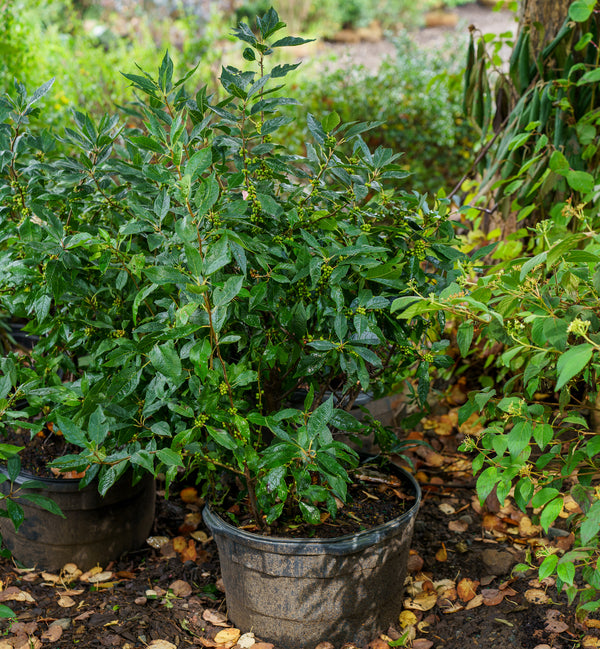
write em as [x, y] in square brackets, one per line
[422, 601]
[447, 508]
[475, 602]
[199, 536]
[441, 555]
[527, 529]
[161, 644]
[14, 594]
[536, 596]
[454, 608]
[26, 642]
[325, 645]
[544, 583]
[556, 626]
[406, 618]
[492, 522]
[591, 623]
[215, 617]
[105, 575]
[458, 526]
[189, 553]
[70, 568]
[378, 643]
[227, 635]
[66, 602]
[247, 640]
[140, 601]
[157, 542]
[415, 562]
[53, 633]
[422, 643]
[467, 589]
[263, 645]
[180, 588]
[50, 577]
[590, 642]
[189, 495]
[492, 596]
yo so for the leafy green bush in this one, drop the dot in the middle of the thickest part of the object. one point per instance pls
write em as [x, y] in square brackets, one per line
[540, 121]
[327, 17]
[416, 96]
[40, 40]
[190, 277]
[541, 443]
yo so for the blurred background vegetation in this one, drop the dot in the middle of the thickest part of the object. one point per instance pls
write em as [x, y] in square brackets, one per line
[85, 44]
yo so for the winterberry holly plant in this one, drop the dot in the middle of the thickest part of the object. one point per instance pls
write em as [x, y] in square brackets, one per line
[216, 302]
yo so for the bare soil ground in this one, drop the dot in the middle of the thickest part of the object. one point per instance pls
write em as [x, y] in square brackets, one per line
[461, 591]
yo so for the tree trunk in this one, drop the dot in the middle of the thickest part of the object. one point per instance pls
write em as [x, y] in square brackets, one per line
[545, 18]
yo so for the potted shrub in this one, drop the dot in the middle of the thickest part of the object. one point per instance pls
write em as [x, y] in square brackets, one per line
[197, 276]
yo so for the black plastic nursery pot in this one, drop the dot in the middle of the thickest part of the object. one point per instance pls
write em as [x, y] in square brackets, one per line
[298, 592]
[96, 529]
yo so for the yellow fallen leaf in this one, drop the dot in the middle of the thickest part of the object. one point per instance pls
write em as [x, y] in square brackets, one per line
[227, 635]
[406, 618]
[441, 555]
[590, 642]
[199, 536]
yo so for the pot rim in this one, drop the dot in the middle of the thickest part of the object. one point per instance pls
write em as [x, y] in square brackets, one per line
[339, 544]
[64, 484]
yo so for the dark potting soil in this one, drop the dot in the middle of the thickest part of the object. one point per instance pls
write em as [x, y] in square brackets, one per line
[40, 450]
[373, 499]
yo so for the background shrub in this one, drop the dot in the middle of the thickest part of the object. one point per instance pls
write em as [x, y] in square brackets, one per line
[417, 96]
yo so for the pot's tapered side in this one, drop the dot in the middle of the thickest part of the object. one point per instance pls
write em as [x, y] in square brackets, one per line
[298, 592]
[95, 529]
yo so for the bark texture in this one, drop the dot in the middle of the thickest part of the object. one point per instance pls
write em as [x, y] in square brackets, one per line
[550, 14]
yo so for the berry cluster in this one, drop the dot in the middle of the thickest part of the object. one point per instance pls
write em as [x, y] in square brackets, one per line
[330, 142]
[223, 389]
[419, 250]
[200, 420]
